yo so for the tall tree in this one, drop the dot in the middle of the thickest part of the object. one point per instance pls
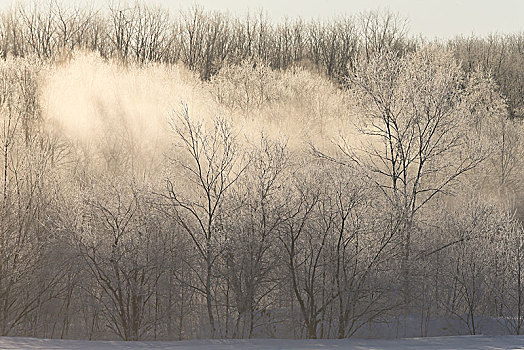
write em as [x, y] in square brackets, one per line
[420, 120]
[211, 162]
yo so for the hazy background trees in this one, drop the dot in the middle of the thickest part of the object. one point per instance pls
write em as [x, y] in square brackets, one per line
[197, 174]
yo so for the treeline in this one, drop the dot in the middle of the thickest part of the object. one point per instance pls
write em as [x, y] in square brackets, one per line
[204, 40]
[200, 39]
[391, 192]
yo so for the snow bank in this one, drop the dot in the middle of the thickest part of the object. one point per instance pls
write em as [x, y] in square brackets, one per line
[458, 342]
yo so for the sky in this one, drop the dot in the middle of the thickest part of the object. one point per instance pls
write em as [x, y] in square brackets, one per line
[431, 18]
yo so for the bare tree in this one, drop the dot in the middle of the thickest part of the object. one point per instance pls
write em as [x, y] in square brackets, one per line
[418, 118]
[249, 258]
[211, 163]
[26, 159]
[125, 257]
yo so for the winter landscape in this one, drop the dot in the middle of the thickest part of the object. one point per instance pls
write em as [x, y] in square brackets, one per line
[200, 178]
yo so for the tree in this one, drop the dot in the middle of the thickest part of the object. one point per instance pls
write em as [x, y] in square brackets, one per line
[304, 246]
[27, 277]
[420, 118]
[360, 242]
[210, 162]
[508, 284]
[475, 228]
[124, 253]
[249, 254]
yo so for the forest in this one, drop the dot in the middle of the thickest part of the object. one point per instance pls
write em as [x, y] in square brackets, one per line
[196, 174]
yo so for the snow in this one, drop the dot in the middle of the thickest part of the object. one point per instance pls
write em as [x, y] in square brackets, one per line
[455, 342]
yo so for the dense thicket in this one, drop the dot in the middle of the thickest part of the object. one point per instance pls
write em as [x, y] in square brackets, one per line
[204, 41]
[202, 175]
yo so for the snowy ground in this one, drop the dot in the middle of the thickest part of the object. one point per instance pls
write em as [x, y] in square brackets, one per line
[457, 342]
